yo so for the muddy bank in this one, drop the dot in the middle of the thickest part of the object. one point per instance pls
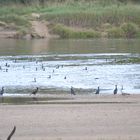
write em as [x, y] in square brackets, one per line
[38, 30]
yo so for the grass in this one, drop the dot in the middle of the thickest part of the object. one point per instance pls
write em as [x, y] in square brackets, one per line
[67, 32]
[132, 60]
[126, 30]
[90, 15]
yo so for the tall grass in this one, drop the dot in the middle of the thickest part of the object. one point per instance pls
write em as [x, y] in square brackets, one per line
[89, 14]
[28, 2]
[85, 14]
[92, 16]
[67, 32]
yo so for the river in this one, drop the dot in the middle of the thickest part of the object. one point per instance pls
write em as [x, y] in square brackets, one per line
[57, 64]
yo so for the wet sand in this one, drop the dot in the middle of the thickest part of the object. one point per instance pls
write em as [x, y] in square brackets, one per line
[79, 118]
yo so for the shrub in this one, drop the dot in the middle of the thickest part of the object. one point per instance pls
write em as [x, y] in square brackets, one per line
[67, 32]
[115, 32]
[130, 30]
[18, 20]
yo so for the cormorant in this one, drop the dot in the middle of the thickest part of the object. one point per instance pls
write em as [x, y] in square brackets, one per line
[97, 90]
[34, 80]
[35, 91]
[72, 91]
[49, 76]
[7, 65]
[115, 90]
[2, 91]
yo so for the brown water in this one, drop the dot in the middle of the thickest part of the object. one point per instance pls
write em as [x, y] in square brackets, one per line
[86, 64]
[57, 46]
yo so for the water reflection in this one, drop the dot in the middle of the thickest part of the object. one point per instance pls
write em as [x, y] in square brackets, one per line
[56, 46]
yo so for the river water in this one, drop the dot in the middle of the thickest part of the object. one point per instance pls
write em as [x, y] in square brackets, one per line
[56, 65]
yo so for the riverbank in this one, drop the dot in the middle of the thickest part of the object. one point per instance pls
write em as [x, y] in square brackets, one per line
[90, 19]
[107, 117]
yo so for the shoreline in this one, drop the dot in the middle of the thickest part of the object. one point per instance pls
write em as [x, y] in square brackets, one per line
[70, 99]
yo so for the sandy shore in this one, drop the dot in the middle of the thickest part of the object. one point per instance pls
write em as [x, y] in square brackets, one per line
[81, 118]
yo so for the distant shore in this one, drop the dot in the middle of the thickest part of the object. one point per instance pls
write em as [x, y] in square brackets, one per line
[79, 118]
[70, 19]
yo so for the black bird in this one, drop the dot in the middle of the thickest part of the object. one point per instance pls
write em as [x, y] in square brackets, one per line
[15, 61]
[115, 90]
[2, 91]
[85, 68]
[72, 91]
[34, 80]
[35, 91]
[57, 67]
[7, 65]
[97, 90]
[12, 133]
[65, 77]
[49, 76]
[42, 66]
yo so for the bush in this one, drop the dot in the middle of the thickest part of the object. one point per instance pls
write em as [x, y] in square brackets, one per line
[67, 32]
[115, 32]
[18, 20]
[130, 30]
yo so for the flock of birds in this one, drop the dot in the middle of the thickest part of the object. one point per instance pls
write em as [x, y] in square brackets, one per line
[72, 91]
[115, 91]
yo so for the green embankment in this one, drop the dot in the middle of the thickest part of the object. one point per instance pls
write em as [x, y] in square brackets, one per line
[77, 19]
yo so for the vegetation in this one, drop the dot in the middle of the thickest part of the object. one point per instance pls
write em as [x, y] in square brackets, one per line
[90, 18]
[67, 32]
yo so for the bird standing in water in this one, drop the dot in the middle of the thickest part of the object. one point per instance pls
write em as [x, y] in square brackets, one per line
[35, 91]
[72, 91]
[97, 90]
[2, 91]
[34, 80]
[115, 90]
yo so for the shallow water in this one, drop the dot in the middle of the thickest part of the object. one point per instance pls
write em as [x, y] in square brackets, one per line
[56, 65]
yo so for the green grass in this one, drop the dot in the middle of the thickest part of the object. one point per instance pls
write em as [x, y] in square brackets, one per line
[90, 15]
[115, 32]
[126, 30]
[67, 32]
